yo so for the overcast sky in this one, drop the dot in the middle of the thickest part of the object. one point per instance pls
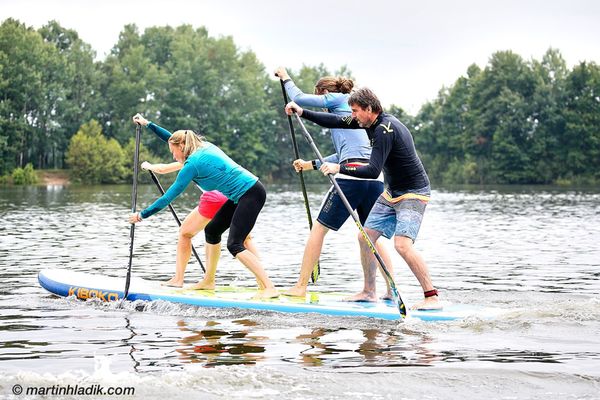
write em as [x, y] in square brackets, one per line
[405, 51]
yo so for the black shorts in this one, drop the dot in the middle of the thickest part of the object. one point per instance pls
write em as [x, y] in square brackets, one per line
[361, 194]
[238, 217]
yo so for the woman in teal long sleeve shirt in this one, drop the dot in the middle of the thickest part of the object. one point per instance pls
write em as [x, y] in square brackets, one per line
[210, 168]
[209, 204]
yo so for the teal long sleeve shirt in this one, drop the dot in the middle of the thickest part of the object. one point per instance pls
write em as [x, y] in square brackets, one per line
[210, 168]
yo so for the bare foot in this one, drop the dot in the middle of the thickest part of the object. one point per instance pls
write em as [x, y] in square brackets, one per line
[387, 296]
[261, 286]
[268, 293]
[429, 303]
[173, 283]
[296, 291]
[363, 297]
[202, 285]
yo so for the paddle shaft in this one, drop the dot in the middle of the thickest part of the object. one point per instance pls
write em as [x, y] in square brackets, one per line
[136, 159]
[297, 155]
[162, 192]
[388, 276]
[317, 269]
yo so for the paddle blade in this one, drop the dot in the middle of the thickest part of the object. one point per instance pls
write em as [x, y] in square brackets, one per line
[401, 306]
[316, 272]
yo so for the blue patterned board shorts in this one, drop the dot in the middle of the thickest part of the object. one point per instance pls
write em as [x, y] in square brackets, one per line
[399, 218]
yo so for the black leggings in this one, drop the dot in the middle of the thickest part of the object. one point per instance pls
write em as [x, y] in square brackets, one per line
[239, 218]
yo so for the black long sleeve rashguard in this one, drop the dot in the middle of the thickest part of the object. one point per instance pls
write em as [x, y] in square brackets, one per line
[393, 151]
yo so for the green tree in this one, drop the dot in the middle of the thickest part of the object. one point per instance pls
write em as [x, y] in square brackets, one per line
[581, 141]
[508, 78]
[24, 176]
[24, 57]
[126, 85]
[183, 79]
[71, 95]
[50, 73]
[93, 158]
[547, 117]
[443, 133]
[509, 159]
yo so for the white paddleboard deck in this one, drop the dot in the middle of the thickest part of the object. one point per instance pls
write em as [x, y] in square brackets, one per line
[86, 286]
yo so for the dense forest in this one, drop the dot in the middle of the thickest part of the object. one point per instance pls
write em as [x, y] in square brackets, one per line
[514, 121]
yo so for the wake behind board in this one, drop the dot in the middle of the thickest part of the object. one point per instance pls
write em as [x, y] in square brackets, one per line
[86, 286]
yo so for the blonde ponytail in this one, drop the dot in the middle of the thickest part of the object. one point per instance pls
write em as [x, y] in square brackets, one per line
[189, 140]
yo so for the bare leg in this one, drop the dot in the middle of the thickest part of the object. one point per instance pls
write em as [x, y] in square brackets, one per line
[192, 224]
[252, 262]
[369, 265]
[312, 252]
[385, 255]
[404, 246]
[213, 253]
[249, 245]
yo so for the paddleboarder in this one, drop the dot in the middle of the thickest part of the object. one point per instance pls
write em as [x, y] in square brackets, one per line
[351, 147]
[209, 203]
[210, 168]
[399, 210]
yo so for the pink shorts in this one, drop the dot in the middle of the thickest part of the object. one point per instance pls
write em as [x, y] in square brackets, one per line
[210, 203]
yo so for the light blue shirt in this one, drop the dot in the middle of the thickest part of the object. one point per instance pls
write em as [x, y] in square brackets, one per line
[348, 143]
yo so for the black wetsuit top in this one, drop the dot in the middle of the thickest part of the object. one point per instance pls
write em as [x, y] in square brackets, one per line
[393, 151]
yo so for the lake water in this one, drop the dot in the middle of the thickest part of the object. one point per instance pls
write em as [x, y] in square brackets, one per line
[532, 251]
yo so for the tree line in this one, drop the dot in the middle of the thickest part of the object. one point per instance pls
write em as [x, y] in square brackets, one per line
[514, 121]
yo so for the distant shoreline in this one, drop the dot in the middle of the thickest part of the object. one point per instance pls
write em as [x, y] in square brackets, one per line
[61, 177]
[54, 177]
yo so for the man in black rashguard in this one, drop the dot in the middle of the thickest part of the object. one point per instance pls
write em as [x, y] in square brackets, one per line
[400, 208]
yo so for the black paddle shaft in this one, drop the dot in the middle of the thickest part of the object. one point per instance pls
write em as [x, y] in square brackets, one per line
[162, 192]
[136, 159]
[315, 275]
[390, 279]
[297, 154]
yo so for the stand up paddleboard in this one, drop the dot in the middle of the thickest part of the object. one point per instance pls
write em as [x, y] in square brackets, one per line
[86, 286]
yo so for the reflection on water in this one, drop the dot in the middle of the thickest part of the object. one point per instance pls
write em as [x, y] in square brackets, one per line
[214, 343]
[363, 347]
[212, 346]
[248, 342]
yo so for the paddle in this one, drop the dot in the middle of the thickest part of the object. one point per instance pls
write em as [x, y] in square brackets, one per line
[136, 156]
[162, 192]
[388, 276]
[314, 276]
